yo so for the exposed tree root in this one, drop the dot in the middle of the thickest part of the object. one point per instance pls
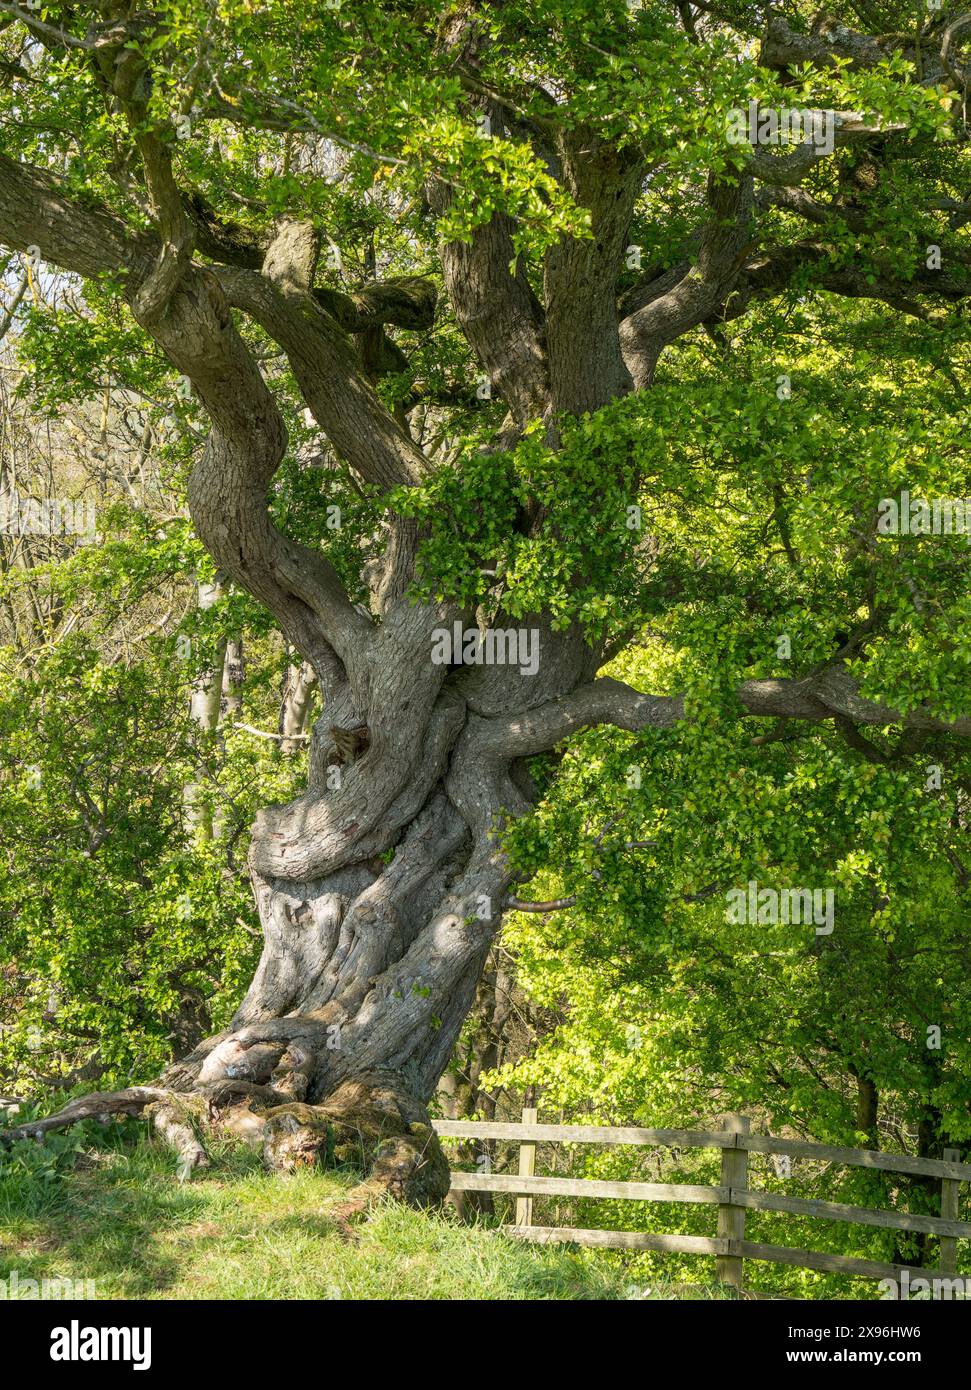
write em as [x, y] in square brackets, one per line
[373, 1121]
[378, 1113]
[245, 1123]
[131, 1101]
[295, 1136]
[172, 1122]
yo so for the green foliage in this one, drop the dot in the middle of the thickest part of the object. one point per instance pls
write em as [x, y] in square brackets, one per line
[124, 937]
[666, 1011]
[118, 939]
[580, 562]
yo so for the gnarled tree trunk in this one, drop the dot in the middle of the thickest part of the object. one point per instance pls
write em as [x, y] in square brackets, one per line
[380, 890]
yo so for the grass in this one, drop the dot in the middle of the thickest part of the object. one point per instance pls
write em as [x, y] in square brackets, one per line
[119, 1216]
[105, 1205]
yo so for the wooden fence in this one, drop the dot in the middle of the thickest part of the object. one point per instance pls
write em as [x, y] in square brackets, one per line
[733, 1197]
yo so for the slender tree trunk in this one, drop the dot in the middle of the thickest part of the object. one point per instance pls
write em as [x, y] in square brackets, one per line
[204, 707]
[867, 1107]
[295, 711]
[234, 674]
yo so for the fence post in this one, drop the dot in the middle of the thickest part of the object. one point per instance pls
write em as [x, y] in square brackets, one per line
[527, 1167]
[731, 1219]
[948, 1263]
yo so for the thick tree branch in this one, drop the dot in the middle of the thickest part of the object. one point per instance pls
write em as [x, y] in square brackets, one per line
[406, 301]
[671, 309]
[829, 41]
[355, 420]
[586, 364]
[495, 307]
[792, 168]
[773, 271]
[498, 313]
[830, 695]
[89, 241]
[229, 483]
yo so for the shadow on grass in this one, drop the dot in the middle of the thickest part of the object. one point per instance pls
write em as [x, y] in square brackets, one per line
[121, 1218]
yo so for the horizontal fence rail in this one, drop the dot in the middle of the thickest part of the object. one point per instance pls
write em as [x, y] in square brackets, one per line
[733, 1197]
[588, 1187]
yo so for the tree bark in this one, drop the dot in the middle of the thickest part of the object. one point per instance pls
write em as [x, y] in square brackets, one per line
[295, 711]
[204, 707]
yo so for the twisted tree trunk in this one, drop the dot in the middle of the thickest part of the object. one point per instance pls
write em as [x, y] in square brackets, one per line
[380, 892]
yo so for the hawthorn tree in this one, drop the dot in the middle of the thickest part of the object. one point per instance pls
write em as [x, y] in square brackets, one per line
[466, 239]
